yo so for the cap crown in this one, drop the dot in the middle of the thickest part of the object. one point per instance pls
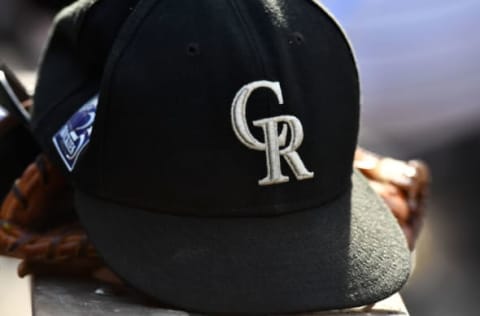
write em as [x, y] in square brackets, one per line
[165, 137]
[72, 65]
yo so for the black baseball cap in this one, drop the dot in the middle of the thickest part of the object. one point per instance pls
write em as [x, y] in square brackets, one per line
[217, 174]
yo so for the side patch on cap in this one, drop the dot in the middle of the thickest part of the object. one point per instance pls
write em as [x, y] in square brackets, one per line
[74, 136]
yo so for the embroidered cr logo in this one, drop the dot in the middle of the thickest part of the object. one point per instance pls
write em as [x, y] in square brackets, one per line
[273, 140]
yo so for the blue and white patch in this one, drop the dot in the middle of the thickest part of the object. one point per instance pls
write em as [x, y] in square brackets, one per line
[74, 136]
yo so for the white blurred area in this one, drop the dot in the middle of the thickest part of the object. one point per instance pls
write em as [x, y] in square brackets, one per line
[3, 113]
[419, 70]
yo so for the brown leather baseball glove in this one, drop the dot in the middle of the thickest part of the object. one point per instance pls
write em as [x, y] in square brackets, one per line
[403, 186]
[38, 224]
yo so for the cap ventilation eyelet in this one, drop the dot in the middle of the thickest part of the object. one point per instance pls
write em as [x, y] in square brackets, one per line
[297, 38]
[193, 49]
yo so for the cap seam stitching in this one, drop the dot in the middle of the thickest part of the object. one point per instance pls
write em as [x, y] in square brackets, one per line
[80, 19]
[110, 68]
[250, 39]
[186, 213]
[77, 89]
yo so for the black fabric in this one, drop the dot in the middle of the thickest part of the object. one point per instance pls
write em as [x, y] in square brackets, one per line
[169, 194]
[166, 128]
[18, 148]
[348, 253]
[100, 29]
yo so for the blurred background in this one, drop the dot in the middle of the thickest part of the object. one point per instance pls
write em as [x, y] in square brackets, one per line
[420, 78]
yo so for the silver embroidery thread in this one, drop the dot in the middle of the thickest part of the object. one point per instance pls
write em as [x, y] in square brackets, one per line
[273, 140]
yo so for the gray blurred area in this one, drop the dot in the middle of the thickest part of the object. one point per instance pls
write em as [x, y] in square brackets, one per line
[420, 76]
[419, 69]
[24, 28]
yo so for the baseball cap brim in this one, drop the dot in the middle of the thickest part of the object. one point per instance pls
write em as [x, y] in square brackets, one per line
[350, 252]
